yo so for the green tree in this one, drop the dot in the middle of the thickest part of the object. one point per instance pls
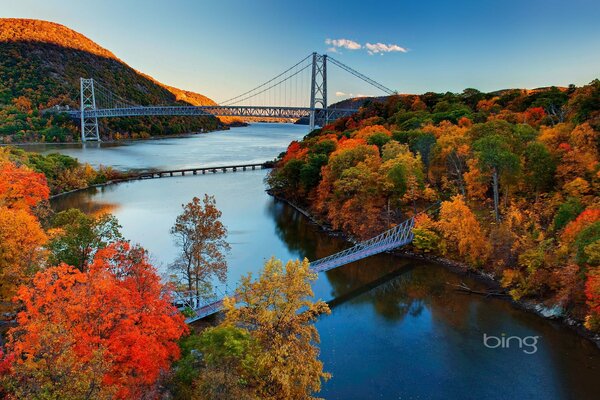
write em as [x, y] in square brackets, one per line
[567, 212]
[229, 358]
[494, 156]
[78, 236]
[539, 167]
[310, 173]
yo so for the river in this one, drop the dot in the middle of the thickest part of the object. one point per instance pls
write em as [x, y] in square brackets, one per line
[397, 329]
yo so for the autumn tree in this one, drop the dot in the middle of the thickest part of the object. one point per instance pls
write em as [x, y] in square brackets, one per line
[450, 152]
[426, 237]
[20, 187]
[278, 311]
[200, 236]
[592, 292]
[21, 235]
[21, 252]
[77, 236]
[462, 231]
[108, 332]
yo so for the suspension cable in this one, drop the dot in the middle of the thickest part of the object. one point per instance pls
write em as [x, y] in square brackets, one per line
[267, 82]
[361, 76]
[272, 86]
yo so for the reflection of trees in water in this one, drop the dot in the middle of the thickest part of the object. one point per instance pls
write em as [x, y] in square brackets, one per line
[300, 234]
[84, 201]
[388, 282]
[405, 287]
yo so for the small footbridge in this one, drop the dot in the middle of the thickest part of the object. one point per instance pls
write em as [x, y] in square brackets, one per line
[204, 170]
[398, 236]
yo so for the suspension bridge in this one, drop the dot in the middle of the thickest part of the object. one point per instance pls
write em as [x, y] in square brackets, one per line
[298, 92]
[398, 236]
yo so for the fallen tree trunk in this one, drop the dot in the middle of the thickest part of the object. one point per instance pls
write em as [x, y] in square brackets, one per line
[462, 287]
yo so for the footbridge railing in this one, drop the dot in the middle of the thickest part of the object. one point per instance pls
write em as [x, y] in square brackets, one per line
[397, 236]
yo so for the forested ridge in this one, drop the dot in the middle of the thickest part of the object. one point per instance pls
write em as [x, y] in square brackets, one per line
[40, 66]
[517, 173]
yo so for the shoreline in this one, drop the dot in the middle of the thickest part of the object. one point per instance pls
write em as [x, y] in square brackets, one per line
[463, 269]
[113, 141]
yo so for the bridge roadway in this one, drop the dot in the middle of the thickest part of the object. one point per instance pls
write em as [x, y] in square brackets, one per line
[328, 114]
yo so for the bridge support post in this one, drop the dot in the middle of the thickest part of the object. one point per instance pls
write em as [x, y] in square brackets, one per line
[318, 88]
[89, 124]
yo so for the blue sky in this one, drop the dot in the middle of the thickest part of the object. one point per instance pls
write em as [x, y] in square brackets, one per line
[221, 48]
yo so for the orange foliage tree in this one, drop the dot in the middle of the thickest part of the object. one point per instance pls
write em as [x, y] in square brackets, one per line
[584, 219]
[21, 236]
[21, 187]
[113, 326]
[21, 241]
[462, 231]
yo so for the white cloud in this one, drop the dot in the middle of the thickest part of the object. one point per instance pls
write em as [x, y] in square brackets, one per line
[343, 43]
[374, 48]
[340, 94]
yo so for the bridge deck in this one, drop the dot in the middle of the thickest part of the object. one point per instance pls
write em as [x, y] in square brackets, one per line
[203, 170]
[217, 111]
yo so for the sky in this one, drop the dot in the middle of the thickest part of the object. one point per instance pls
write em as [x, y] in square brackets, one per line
[222, 48]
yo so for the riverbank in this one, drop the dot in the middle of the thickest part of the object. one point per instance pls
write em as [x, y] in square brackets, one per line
[137, 139]
[531, 306]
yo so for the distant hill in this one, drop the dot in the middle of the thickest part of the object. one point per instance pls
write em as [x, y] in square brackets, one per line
[40, 66]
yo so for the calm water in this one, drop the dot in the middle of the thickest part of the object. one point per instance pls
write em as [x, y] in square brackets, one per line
[252, 144]
[396, 331]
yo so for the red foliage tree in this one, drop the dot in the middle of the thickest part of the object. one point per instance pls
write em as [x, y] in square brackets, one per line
[118, 309]
[534, 115]
[592, 294]
[587, 217]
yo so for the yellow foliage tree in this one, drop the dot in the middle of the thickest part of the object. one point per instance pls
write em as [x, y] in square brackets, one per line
[278, 311]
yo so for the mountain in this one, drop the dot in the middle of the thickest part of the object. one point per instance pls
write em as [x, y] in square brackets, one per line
[40, 66]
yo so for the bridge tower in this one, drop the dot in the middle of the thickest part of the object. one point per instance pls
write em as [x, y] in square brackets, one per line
[318, 87]
[89, 125]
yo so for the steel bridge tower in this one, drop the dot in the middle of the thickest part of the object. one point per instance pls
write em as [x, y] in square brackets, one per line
[89, 125]
[318, 88]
